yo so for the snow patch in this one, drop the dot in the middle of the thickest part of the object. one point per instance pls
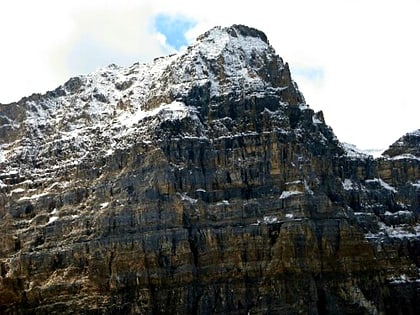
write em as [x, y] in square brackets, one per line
[415, 133]
[399, 231]
[223, 203]
[17, 191]
[307, 188]
[382, 183]
[269, 219]
[399, 213]
[406, 156]
[2, 156]
[287, 194]
[348, 184]
[316, 120]
[52, 219]
[104, 205]
[52, 186]
[185, 197]
[353, 152]
[173, 111]
[373, 152]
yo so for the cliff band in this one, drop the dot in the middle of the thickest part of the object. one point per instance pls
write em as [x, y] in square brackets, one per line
[200, 183]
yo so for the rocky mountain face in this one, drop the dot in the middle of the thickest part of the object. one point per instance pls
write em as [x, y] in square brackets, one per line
[200, 183]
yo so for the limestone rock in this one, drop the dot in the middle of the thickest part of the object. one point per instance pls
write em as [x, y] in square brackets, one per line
[200, 183]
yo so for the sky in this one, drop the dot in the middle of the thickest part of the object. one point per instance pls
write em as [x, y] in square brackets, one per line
[356, 60]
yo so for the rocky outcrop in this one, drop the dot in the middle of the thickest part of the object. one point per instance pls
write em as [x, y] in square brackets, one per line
[409, 144]
[199, 184]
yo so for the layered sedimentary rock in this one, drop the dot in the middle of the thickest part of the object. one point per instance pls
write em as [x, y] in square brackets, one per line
[200, 183]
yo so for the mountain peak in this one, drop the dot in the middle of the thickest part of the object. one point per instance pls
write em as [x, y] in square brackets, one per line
[238, 40]
[225, 66]
[234, 31]
[235, 59]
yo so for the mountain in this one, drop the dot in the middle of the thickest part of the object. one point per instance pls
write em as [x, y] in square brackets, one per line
[200, 183]
[408, 146]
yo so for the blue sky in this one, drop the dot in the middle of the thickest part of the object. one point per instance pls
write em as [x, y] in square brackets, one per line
[174, 28]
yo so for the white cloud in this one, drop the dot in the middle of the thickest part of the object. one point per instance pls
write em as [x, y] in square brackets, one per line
[109, 35]
[27, 38]
[360, 57]
[45, 42]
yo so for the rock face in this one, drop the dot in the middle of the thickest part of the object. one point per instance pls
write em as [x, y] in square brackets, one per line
[200, 183]
[407, 146]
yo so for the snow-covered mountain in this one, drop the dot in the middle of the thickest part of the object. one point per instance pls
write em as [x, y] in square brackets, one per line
[200, 183]
[104, 109]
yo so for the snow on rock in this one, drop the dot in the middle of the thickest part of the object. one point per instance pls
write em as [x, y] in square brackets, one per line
[403, 278]
[287, 194]
[348, 184]
[407, 156]
[316, 120]
[373, 152]
[269, 219]
[17, 191]
[402, 231]
[223, 203]
[382, 184]
[104, 204]
[399, 213]
[406, 147]
[175, 111]
[353, 152]
[2, 155]
[185, 197]
[396, 231]
[52, 219]
[103, 108]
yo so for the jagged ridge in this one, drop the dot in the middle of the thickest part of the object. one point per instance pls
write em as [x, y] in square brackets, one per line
[114, 100]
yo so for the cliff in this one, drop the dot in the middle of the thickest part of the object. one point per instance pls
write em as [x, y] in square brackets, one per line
[200, 183]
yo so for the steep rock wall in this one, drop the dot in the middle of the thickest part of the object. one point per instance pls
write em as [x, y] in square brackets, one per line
[228, 200]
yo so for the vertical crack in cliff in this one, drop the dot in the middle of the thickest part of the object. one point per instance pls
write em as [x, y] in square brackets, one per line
[110, 270]
[193, 243]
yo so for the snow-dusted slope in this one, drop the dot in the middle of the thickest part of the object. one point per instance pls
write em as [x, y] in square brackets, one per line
[100, 110]
[407, 147]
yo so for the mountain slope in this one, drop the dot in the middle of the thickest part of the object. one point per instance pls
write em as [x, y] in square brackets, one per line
[199, 183]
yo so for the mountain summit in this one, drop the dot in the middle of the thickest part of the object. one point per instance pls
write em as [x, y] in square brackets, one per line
[230, 63]
[200, 183]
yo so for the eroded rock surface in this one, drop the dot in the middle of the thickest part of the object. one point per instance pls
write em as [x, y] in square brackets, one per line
[200, 183]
